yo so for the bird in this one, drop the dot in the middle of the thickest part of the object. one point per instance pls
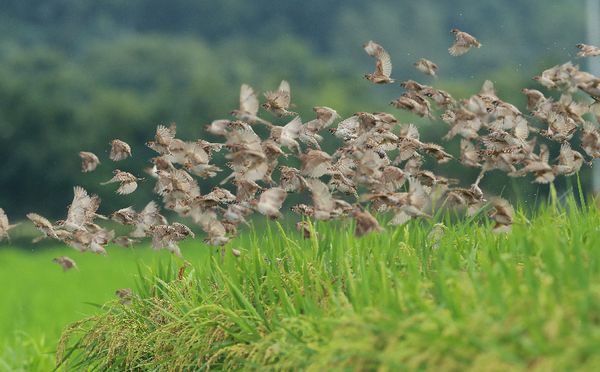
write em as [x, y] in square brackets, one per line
[125, 241]
[286, 136]
[216, 231]
[314, 163]
[305, 228]
[125, 296]
[278, 101]
[248, 107]
[128, 182]
[5, 226]
[587, 51]
[42, 224]
[217, 127]
[322, 199]
[471, 198]
[411, 205]
[291, 180]
[163, 139]
[590, 140]
[534, 98]
[124, 216]
[347, 129]
[167, 237]
[89, 161]
[365, 222]
[78, 213]
[383, 69]
[270, 202]
[495, 135]
[120, 150]
[66, 262]
[502, 215]
[427, 67]
[462, 43]
[546, 82]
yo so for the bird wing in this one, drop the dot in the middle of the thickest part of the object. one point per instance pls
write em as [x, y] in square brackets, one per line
[127, 187]
[458, 49]
[248, 100]
[384, 63]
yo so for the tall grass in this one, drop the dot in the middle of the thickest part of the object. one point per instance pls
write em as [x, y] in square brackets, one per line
[524, 301]
[26, 353]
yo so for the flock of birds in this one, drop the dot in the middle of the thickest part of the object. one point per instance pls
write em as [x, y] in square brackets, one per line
[495, 135]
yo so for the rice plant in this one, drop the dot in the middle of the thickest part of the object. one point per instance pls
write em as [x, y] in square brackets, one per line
[423, 297]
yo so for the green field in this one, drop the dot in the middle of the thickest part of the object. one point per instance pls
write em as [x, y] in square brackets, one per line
[39, 300]
[528, 300]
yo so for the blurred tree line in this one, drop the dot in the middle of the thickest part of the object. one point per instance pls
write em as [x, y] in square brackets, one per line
[75, 75]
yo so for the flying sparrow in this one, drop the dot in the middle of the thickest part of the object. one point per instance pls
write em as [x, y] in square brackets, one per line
[89, 161]
[462, 43]
[119, 150]
[66, 263]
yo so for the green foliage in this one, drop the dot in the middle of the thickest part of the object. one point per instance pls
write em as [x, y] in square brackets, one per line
[26, 353]
[479, 301]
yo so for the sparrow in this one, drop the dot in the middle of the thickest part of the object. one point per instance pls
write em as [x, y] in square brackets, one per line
[235, 213]
[303, 210]
[270, 202]
[392, 178]
[291, 180]
[416, 104]
[314, 163]
[412, 205]
[471, 198]
[124, 216]
[462, 43]
[163, 139]
[217, 127]
[546, 82]
[322, 199]
[77, 215]
[124, 241]
[167, 237]
[325, 117]
[544, 173]
[590, 140]
[470, 154]
[128, 182]
[279, 101]
[383, 68]
[216, 231]
[568, 162]
[66, 263]
[426, 67]
[502, 214]
[534, 98]
[347, 130]
[587, 51]
[119, 150]
[286, 136]
[440, 98]
[560, 127]
[43, 225]
[89, 161]
[304, 228]
[365, 222]
[5, 226]
[125, 296]
[248, 106]
[245, 189]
